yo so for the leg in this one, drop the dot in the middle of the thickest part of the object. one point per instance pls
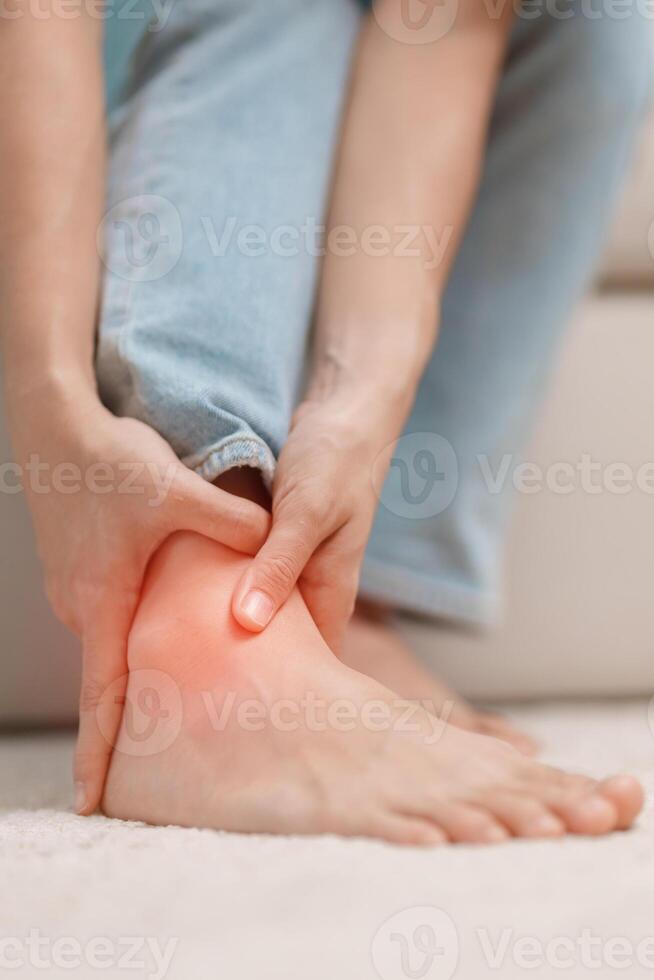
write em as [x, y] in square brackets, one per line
[235, 733]
[198, 338]
[204, 327]
[374, 646]
[567, 113]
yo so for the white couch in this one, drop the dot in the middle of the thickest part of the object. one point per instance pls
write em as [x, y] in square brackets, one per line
[580, 571]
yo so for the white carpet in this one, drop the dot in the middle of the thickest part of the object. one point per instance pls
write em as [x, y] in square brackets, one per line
[98, 898]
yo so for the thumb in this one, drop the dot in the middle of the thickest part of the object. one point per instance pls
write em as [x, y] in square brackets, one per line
[270, 579]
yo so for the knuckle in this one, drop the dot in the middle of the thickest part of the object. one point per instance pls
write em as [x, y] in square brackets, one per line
[280, 573]
[247, 521]
[91, 693]
[316, 512]
[308, 506]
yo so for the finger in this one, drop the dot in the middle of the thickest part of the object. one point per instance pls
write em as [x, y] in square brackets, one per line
[329, 586]
[104, 679]
[271, 577]
[233, 521]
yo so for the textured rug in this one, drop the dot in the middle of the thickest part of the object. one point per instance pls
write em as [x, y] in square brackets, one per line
[100, 898]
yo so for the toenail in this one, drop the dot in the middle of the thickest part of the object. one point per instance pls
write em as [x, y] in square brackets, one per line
[621, 783]
[495, 834]
[595, 806]
[258, 607]
[545, 826]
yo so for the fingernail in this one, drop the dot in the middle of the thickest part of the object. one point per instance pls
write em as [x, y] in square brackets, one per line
[80, 797]
[258, 607]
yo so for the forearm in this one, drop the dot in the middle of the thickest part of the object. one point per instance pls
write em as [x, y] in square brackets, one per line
[51, 198]
[408, 167]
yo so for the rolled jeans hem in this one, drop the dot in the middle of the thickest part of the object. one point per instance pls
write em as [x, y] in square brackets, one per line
[232, 452]
[408, 591]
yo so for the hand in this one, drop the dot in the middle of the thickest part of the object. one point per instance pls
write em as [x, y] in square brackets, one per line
[95, 542]
[323, 508]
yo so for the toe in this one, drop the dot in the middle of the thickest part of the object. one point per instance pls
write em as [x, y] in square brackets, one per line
[525, 816]
[627, 796]
[576, 800]
[591, 814]
[411, 831]
[471, 825]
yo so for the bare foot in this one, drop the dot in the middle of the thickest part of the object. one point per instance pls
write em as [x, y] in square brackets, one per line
[373, 646]
[272, 733]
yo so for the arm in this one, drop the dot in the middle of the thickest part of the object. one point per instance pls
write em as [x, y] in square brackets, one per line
[95, 542]
[51, 195]
[411, 154]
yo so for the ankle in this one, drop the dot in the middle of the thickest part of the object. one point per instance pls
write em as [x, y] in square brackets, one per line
[245, 481]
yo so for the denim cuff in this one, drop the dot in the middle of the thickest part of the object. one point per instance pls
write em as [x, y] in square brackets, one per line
[226, 454]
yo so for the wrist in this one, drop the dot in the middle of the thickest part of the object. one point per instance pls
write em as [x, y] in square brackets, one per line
[57, 396]
[53, 381]
[374, 362]
[368, 414]
[371, 391]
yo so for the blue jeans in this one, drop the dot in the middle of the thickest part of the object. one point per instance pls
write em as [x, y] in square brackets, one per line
[220, 164]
